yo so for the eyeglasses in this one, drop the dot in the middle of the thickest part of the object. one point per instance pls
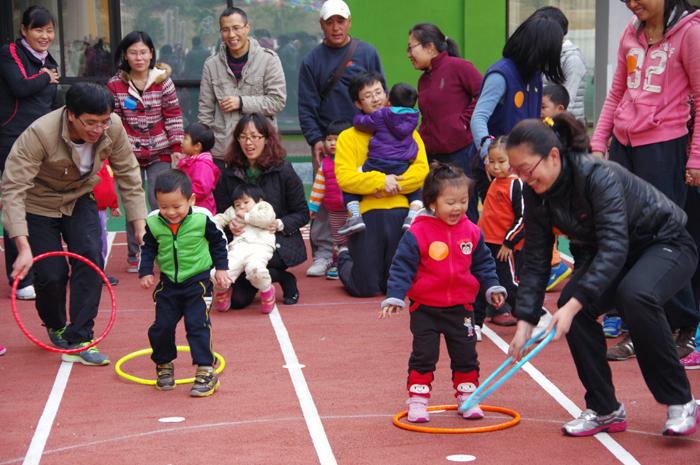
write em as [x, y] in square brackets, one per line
[237, 29]
[92, 125]
[138, 53]
[369, 96]
[411, 47]
[254, 138]
[528, 173]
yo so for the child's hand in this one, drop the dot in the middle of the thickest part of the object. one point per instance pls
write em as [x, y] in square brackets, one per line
[388, 310]
[391, 184]
[222, 279]
[498, 299]
[504, 254]
[236, 227]
[115, 212]
[272, 227]
[147, 281]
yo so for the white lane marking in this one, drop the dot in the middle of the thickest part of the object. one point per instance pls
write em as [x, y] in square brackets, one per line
[171, 419]
[308, 407]
[460, 458]
[613, 446]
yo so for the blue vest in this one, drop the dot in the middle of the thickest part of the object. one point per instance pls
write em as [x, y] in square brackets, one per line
[521, 101]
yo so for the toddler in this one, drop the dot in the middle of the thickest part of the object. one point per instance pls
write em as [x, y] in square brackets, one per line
[105, 193]
[199, 165]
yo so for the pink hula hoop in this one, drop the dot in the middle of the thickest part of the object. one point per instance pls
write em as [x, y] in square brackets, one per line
[112, 318]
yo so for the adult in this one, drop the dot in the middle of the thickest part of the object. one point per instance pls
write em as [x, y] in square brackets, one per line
[448, 90]
[324, 78]
[646, 113]
[258, 158]
[28, 84]
[195, 58]
[47, 189]
[572, 63]
[146, 101]
[363, 267]
[242, 78]
[631, 251]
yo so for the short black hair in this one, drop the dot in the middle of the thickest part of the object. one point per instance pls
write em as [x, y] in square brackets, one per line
[336, 127]
[171, 181]
[403, 95]
[556, 14]
[130, 39]
[36, 16]
[201, 134]
[89, 97]
[362, 80]
[557, 94]
[247, 190]
[234, 11]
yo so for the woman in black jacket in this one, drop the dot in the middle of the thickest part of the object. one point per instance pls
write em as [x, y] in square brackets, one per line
[28, 84]
[258, 158]
[631, 251]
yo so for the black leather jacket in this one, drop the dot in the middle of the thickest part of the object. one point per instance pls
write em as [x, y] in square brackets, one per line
[609, 215]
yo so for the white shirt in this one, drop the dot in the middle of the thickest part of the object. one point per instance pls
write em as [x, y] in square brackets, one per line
[86, 152]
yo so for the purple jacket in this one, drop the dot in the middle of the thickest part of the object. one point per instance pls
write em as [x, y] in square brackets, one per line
[393, 133]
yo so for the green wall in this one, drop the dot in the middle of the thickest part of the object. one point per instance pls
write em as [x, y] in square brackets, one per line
[476, 25]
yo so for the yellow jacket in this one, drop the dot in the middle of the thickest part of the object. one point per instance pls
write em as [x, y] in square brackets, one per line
[351, 153]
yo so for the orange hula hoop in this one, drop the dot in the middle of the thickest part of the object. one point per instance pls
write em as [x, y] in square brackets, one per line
[477, 429]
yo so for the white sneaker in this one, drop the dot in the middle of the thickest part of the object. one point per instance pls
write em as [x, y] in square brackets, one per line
[542, 324]
[477, 332]
[26, 293]
[319, 267]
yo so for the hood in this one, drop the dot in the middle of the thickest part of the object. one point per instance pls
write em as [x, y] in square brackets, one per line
[675, 23]
[159, 73]
[569, 47]
[402, 121]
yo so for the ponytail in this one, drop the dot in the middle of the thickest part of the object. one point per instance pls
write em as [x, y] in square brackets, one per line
[427, 33]
[563, 131]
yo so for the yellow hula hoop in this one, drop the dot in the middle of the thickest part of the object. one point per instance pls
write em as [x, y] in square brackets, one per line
[479, 429]
[152, 382]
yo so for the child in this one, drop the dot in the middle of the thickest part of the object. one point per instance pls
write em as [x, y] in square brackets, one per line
[326, 190]
[199, 165]
[391, 150]
[692, 361]
[501, 221]
[251, 250]
[105, 193]
[440, 263]
[185, 243]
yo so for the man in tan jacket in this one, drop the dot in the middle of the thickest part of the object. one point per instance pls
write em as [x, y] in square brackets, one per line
[243, 77]
[47, 197]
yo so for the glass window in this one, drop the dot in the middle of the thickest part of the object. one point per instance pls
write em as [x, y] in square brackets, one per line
[86, 42]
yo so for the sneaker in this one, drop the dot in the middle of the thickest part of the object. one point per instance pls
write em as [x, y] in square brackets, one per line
[132, 265]
[206, 381]
[267, 300]
[417, 409]
[612, 326]
[332, 273]
[622, 350]
[558, 274]
[692, 361]
[682, 420]
[91, 356]
[56, 337]
[685, 342]
[222, 300]
[504, 319]
[2, 349]
[590, 423]
[319, 267]
[545, 319]
[165, 374]
[353, 224]
[407, 223]
[472, 413]
[112, 280]
[477, 333]
[26, 293]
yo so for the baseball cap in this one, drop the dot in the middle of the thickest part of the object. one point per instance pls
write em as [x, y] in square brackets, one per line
[333, 8]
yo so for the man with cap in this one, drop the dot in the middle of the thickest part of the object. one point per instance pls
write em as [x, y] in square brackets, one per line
[323, 98]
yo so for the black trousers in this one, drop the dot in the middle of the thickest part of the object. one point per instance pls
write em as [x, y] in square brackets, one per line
[639, 293]
[243, 293]
[507, 273]
[192, 301]
[83, 235]
[456, 324]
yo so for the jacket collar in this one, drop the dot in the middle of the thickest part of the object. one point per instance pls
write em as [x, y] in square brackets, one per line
[563, 182]
[99, 146]
[437, 61]
[156, 75]
[254, 48]
[30, 56]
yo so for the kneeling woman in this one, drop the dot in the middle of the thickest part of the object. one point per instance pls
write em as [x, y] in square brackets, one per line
[631, 251]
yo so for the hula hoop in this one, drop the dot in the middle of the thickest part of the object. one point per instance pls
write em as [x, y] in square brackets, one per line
[478, 429]
[112, 317]
[152, 382]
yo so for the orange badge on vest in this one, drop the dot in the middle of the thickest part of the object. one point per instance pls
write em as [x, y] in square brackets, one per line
[519, 98]
[438, 251]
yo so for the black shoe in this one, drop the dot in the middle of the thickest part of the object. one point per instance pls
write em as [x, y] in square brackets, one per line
[291, 300]
[112, 280]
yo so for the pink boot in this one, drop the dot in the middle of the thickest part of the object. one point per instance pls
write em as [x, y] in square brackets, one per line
[222, 300]
[267, 299]
[472, 413]
[418, 409]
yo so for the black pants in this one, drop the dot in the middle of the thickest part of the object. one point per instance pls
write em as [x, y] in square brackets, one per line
[365, 270]
[507, 273]
[639, 293]
[243, 293]
[456, 324]
[82, 233]
[190, 300]
[464, 159]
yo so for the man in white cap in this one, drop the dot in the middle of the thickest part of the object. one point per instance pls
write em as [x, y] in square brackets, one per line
[323, 98]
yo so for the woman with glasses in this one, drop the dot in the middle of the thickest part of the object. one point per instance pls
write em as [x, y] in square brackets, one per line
[145, 99]
[28, 84]
[258, 158]
[631, 251]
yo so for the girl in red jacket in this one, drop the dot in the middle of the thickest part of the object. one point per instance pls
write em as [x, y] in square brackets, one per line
[440, 263]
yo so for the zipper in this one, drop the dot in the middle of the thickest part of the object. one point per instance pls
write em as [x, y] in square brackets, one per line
[451, 261]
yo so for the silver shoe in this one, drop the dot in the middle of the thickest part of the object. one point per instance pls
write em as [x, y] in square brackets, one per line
[682, 420]
[590, 423]
[353, 224]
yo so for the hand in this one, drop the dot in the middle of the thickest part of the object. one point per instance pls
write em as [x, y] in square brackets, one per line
[318, 152]
[563, 318]
[115, 212]
[498, 299]
[53, 74]
[229, 104]
[175, 158]
[600, 155]
[692, 177]
[504, 254]
[523, 333]
[391, 184]
[139, 230]
[388, 310]
[312, 215]
[236, 227]
[24, 259]
[147, 281]
[272, 227]
[222, 279]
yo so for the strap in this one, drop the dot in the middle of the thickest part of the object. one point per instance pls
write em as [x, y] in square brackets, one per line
[335, 77]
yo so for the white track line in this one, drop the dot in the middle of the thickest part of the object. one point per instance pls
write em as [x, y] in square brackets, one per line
[613, 446]
[308, 408]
